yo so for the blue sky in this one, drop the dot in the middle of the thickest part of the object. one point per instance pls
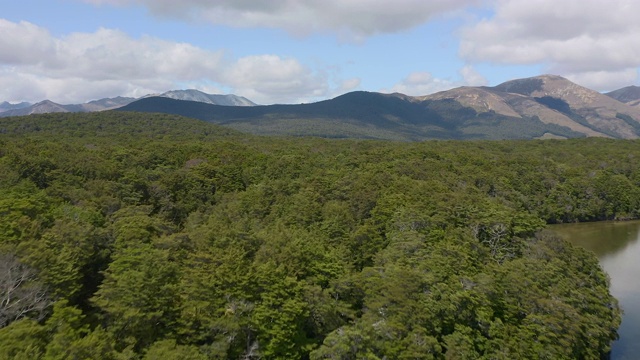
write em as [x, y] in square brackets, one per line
[292, 51]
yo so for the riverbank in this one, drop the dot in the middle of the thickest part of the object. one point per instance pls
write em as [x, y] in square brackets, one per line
[617, 246]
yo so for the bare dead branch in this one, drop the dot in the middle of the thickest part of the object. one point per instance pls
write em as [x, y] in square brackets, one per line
[20, 293]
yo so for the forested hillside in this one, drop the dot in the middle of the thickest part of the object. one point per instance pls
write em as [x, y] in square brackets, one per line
[363, 115]
[142, 236]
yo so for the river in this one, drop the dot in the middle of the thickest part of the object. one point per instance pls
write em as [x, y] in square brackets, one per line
[617, 246]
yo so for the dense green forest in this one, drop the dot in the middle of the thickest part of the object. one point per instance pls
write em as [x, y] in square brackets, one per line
[146, 236]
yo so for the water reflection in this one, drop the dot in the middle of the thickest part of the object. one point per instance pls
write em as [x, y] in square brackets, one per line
[603, 238]
[616, 245]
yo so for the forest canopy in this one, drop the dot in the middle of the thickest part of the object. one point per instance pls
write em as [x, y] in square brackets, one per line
[147, 236]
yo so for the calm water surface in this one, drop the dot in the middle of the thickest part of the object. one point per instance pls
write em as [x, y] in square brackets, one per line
[617, 246]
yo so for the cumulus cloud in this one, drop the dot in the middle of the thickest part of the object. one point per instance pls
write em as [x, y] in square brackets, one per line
[24, 43]
[260, 76]
[471, 77]
[355, 18]
[82, 66]
[605, 80]
[424, 83]
[420, 83]
[587, 39]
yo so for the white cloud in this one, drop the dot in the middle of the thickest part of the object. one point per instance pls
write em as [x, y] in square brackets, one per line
[111, 54]
[24, 43]
[353, 18]
[421, 83]
[471, 77]
[605, 80]
[270, 78]
[83, 66]
[587, 39]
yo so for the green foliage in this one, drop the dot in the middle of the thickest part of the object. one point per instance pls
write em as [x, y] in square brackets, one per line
[64, 251]
[161, 236]
[23, 340]
[170, 350]
[138, 295]
[72, 338]
[25, 213]
[279, 315]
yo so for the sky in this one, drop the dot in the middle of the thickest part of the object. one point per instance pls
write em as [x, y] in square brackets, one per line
[298, 51]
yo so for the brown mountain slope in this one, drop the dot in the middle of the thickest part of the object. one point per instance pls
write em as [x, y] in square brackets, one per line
[554, 100]
[485, 99]
[602, 113]
[628, 94]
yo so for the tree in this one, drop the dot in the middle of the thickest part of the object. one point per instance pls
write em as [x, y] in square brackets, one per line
[69, 253]
[24, 339]
[72, 337]
[280, 315]
[170, 350]
[139, 296]
[21, 295]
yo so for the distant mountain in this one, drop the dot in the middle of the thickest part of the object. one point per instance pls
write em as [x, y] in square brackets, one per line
[42, 108]
[199, 96]
[540, 107]
[553, 100]
[4, 106]
[546, 106]
[361, 115]
[629, 95]
[106, 104]
[47, 106]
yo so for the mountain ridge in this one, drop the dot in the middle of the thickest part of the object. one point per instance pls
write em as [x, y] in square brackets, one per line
[48, 106]
[554, 100]
[5, 105]
[629, 95]
[546, 106]
[214, 99]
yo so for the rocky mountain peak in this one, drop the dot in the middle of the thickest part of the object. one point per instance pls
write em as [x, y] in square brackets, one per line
[554, 100]
[552, 86]
[199, 96]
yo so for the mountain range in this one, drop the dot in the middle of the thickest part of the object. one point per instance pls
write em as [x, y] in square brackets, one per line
[47, 106]
[545, 106]
[553, 100]
[5, 106]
